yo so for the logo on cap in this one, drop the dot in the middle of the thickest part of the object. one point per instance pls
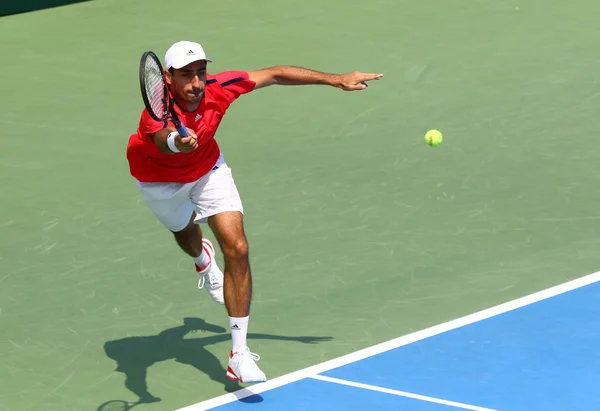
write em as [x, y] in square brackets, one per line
[190, 53]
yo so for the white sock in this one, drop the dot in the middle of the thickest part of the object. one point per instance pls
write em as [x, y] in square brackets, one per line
[239, 330]
[202, 261]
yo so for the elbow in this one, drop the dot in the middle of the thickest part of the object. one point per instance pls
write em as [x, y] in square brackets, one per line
[277, 75]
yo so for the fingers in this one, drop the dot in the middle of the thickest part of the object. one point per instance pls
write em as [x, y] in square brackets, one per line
[364, 77]
[193, 144]
[188, 143]
[358, 80]
[192, 132]
[358, 86]
[367, 76]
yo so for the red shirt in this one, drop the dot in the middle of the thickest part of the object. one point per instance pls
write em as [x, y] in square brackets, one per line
[148, 164]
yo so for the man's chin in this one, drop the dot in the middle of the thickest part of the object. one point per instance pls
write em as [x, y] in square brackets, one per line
[191, 99]
[195, 99]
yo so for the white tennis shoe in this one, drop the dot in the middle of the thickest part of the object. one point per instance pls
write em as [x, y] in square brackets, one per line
[242, 366]
[212, 277]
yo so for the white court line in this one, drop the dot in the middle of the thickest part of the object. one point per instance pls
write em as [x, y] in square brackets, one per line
[401, 393]
[395, 343]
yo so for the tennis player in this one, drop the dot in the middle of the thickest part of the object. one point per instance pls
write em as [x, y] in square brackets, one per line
[186, 182]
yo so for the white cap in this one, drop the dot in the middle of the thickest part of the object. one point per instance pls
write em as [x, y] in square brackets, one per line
[183, 53]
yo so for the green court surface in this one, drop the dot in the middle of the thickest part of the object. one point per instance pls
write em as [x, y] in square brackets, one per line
[359, 232]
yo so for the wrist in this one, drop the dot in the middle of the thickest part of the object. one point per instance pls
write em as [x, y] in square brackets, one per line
[171, 141]
[334, 80]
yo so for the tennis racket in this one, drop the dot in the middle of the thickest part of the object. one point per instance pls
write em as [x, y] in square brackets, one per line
[155, 93]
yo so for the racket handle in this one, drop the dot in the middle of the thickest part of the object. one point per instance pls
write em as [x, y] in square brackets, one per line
[182, 131]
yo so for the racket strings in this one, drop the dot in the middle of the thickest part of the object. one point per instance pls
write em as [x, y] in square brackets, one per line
[155, 89]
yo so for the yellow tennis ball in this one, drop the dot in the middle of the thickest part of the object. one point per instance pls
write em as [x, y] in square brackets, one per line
[433, 138]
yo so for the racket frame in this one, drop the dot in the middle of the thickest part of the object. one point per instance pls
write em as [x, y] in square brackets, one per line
[169, 111]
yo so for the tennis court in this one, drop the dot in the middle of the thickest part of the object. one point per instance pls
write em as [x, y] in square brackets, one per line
[533, 353]
[388, 275]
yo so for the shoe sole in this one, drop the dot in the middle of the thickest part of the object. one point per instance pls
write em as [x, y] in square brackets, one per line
[231, 375]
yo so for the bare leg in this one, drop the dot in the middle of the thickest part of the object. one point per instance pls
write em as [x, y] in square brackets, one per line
[190, 238]
[229, 230]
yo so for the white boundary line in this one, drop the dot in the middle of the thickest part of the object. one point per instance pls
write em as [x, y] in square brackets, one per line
[401, 393]
[395, 343]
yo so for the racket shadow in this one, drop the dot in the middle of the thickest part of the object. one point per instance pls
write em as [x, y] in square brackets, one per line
[117, 405]
[134, 355]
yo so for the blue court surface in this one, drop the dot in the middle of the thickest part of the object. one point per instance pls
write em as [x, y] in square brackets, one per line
[537, 353]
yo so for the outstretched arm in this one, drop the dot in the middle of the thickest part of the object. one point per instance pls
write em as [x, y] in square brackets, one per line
[298, 76]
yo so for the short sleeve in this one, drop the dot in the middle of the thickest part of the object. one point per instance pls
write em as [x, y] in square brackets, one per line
[234, 83]
[149, 126]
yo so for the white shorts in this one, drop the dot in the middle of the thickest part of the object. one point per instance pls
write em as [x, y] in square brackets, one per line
[174, 203]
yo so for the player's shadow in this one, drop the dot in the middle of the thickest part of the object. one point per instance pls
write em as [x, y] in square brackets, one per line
[134, 355]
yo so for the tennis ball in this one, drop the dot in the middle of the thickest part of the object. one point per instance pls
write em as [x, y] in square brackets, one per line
[433, 138]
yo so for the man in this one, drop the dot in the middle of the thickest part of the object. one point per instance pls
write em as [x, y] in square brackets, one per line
[185, 181]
